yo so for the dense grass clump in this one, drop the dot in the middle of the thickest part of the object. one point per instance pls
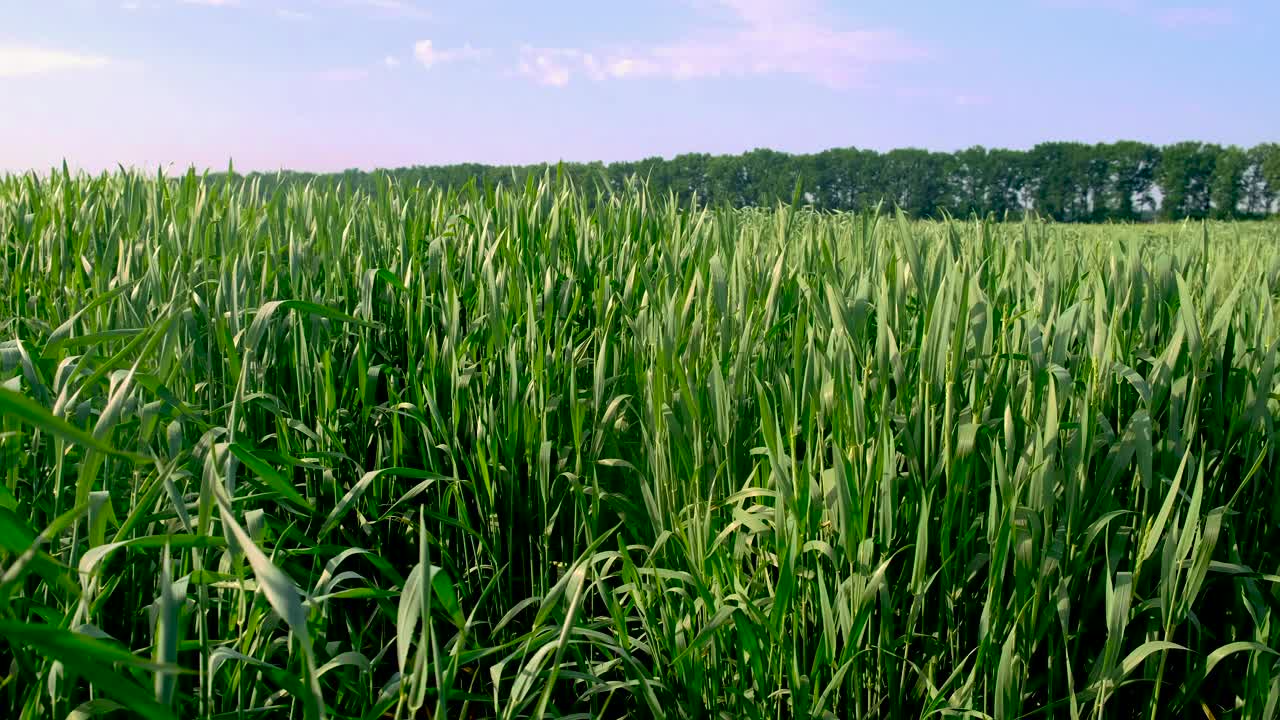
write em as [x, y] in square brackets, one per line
[532, 453]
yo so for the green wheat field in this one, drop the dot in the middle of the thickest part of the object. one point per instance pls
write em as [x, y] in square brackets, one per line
[547, 452]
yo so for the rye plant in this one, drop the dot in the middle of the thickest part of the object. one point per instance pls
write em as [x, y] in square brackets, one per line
[542, 451]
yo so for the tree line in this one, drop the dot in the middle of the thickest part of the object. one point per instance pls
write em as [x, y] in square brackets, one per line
[1067, 181]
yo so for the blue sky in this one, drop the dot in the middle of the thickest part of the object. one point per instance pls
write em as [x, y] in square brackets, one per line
[332, 84]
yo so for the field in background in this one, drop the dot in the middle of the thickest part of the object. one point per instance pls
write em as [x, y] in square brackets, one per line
[423, 455]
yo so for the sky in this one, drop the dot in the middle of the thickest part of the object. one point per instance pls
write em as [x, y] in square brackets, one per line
[326, 85]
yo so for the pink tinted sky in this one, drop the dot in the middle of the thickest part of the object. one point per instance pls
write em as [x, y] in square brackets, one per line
[331, 84]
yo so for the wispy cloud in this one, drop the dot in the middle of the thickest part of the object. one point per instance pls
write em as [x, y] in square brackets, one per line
[391, 62]
[429, 55]
[1195, 17]
[294, 15]
[552, 66]
[17, 61]
[750, 37]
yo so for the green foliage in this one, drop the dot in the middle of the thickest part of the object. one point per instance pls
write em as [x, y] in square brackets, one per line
[533, 451]
[1065, 181]
[1227, 188]
[1186, 178]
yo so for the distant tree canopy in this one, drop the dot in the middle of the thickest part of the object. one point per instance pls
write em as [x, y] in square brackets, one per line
[1067, 181]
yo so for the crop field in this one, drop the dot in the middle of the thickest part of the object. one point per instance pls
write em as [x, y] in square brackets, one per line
[541, 452]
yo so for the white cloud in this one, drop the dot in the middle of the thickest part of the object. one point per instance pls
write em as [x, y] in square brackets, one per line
[16, 61]
[391, 62]
[129, 6]
[751, 37]
[287, 14]
[429, 55]
[551, 66]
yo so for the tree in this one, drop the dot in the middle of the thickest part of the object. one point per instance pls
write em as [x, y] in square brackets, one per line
[767, 177]
[1227, 186]
[847, 179]
[1068, 181]
[1268, 159]
[687, 176]
[1007, 179]
[916, 180]
[969, 190]
[1130, 179]
[1185, 176]
[1060, 180]
[1255, 196]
